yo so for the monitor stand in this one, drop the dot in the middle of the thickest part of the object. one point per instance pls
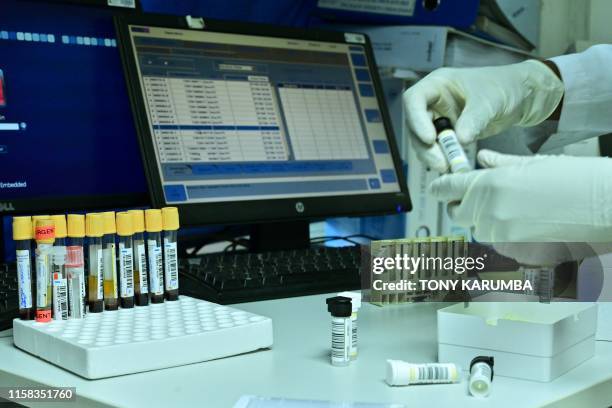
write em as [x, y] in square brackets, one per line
[282, 235]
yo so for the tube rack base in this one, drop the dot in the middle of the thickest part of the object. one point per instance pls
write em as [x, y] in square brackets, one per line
[145, 338]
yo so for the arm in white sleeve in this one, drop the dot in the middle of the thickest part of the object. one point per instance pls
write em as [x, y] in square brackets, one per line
[587, 103]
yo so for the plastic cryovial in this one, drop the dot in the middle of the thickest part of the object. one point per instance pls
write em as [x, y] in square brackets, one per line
[341, 310]
[58, 273]
[153, 225]
[141, 276]
[452, 149]
[44, 235]
[75, 266]
[170, 221]
[95, 231]
[356, 305]
[22, 235]
[481, 376]
[126, 262]
[403, 373]
[111, 300]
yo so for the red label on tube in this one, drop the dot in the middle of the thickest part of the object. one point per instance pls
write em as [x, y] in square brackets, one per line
[74, 256]
[43, 316]
[46, 232]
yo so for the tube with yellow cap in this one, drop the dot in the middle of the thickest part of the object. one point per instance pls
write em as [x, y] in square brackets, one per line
[170, 220]
[141, 276]
[125, 231]
[111, 301]
[95, 231]
[22, 235]
[75, 266]
[44, 234]
[153, 225]
[58, 273]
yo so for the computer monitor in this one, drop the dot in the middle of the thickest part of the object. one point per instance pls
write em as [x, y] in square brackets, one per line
[67, 139]
[245, 123]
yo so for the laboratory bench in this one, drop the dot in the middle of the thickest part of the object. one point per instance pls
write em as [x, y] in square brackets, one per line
[298, 366]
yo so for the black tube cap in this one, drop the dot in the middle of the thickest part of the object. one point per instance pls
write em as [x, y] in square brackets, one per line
[339, 306]
[442, 124]
[483, 359]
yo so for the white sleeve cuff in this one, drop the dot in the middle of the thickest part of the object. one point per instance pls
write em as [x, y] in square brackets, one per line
[587, 103]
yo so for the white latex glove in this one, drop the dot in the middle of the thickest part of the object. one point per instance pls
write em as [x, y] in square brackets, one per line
[532, 199]
[481, 102]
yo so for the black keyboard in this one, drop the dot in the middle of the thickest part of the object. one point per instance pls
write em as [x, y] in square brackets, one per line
[236, 277]
[9, 300]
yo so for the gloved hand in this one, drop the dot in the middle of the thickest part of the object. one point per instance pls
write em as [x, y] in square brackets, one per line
[481, 102]
[532, 199]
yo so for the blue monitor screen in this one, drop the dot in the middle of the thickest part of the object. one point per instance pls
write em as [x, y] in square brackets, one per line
[66, 128]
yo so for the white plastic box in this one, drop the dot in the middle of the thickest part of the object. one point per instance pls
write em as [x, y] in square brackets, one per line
[528, 340]
[144, 338]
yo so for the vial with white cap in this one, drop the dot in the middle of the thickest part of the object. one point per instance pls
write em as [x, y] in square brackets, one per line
[452, 149]
[341, 310]
[481, 376]
[355, 304]
[403, 373]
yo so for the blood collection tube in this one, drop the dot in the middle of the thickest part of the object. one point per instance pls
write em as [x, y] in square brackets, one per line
[403, 373]
[341, 310]
[126, 262]
[58, 272]
[170, 219]
[452, 149]
[153, 225]
[22, 235]
[141, 276]
[95, 231]
[75, 266]
[111, 301]
[45, 235]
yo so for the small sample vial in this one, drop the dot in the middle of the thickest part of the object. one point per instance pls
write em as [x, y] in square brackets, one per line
[452, 149]
[356, 305]
[341, 310]
[141, 276]
[153, 225]
[170, 220]
[44, 235]
[481, 376]
[22, 235]
[75, 266]
[403, 373]
[95, 231]
[126, 262]
[109, 250]
[58, 273]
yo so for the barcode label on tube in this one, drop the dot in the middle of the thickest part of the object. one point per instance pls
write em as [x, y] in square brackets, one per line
[24, 278]
[156, 268]
[171, 265]
[142, 269]
[341, 340]
[126, 267]
[60, 298]
[430, 373]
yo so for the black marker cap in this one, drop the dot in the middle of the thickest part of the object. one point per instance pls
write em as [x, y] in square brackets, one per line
[339, 306]
[442, 124]
[483, 359]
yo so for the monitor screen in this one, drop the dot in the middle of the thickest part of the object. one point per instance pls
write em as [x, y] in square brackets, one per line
[67, 139]
[237, 118]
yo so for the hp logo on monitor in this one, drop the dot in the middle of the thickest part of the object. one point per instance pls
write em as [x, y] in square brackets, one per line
[299, 207]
